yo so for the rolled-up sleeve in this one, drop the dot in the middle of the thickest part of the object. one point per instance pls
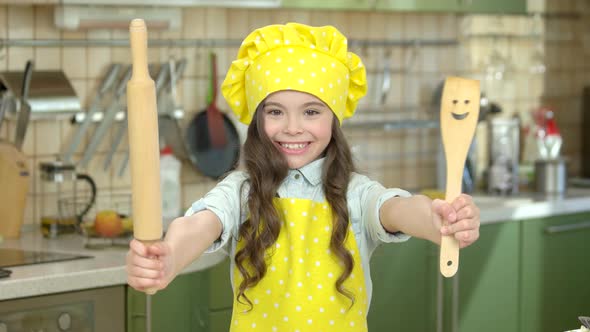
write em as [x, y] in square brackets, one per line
[372, 195]
[225, 201]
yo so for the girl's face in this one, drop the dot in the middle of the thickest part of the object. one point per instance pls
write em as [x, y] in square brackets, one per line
[298, 124]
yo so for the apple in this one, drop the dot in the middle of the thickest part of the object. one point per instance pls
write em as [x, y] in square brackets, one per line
[108, 223]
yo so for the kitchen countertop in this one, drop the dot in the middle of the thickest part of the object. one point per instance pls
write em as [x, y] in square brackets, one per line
[107, 267]
[531, 205]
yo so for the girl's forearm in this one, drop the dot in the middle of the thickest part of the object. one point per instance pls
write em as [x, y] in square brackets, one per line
[188, 237]
[410, 215]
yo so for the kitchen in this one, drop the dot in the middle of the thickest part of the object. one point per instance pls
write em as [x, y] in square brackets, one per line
[537, 57]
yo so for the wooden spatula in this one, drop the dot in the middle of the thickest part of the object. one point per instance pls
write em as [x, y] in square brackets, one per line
[459, 110]
[144, 150]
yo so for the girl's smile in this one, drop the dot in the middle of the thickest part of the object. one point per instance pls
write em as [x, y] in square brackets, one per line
[293, 148]
[298, 124]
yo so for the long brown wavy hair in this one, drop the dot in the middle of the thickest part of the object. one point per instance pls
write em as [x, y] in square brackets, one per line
[267, 168]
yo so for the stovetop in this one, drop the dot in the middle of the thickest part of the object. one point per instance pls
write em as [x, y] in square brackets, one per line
[18, 257]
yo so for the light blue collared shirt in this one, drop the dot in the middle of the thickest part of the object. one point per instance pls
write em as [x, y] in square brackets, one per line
[364, 198]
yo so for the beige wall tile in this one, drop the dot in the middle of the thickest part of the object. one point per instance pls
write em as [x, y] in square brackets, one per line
[281, 16]
[215, 23]
[74, 62]
[394, 26]
[357, 27]
[377, 25]
[120, 179]
[81, 88]
[193, 23]
[239, 24]
[17, 57]
[95, 169]
[20, 22]
[412, 26]
[98, 58]
[192, 192]
[447, 26]
[48, 58]
[44, 26]
[30, 217]
[47, 138]
[430, 26]
[300, 16]
[3, 22]
[259, 18]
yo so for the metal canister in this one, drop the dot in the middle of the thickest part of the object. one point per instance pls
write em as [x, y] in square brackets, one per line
[551, 176]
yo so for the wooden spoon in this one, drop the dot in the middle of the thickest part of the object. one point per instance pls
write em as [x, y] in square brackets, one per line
[459, 110]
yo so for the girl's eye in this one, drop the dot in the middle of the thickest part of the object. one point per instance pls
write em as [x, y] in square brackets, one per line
[311, 112]
[273, 112]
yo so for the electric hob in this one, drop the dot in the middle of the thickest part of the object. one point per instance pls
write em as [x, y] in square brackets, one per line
[18, 257]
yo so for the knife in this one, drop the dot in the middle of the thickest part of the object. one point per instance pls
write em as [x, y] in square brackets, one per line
[94, 107]
[24, 113]
[105, 124]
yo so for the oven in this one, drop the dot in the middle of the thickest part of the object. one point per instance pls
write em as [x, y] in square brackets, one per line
[94, 310]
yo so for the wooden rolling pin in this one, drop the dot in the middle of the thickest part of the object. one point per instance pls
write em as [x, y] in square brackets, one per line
[144, 150]
[459, 110]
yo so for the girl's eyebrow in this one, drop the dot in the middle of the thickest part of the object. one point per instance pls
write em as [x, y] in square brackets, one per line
[272, 103]
[314, 103]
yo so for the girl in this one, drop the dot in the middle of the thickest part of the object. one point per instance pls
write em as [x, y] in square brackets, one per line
[299, 223]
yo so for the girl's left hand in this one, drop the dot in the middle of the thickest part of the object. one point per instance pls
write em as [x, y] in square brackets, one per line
[462, 216]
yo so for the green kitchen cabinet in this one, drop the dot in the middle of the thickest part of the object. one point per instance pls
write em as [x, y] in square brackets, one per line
[196, 302]
[483, 295]
[496, 6]
[328, 4]
[459, 6]
[171, 307]
[404, 287]
[213, 311]
[417, 5]
[555, 272]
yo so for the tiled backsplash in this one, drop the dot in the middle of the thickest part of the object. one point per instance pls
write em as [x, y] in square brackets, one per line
[402, 158]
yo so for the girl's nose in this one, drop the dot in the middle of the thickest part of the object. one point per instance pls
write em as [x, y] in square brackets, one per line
[293, 126]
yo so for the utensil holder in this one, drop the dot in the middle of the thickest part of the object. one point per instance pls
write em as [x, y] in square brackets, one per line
[551, 176]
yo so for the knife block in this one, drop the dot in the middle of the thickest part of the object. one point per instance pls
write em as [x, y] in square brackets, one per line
[14, 185]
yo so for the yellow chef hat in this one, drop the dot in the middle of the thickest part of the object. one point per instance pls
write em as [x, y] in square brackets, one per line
[295, 57]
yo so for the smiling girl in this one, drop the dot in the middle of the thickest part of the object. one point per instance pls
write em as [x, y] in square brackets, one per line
[299, 223]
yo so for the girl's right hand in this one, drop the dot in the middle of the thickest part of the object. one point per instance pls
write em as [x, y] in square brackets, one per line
[149, 266]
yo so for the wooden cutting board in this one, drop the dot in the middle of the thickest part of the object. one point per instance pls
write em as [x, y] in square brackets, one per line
[14, 181]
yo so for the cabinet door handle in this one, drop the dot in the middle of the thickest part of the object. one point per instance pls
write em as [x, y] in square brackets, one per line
[455, 309]
[567, 228]
[439, 303]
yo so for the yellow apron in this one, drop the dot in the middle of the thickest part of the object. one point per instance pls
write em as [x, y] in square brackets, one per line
[298, 292]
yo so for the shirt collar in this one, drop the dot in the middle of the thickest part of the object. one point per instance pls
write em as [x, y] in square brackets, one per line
[312, 172]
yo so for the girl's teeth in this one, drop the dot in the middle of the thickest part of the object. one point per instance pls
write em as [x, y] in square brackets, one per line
[293, 146]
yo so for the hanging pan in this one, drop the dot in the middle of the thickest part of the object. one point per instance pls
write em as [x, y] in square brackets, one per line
[212, 140]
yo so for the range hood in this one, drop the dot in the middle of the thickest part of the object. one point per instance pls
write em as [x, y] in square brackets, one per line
[50, 92]
[181, 3]
[74, 17]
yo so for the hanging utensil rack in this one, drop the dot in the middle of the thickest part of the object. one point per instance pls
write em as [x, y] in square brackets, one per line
[233, 43]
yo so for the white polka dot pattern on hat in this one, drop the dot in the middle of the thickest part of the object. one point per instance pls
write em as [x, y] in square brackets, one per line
[298, 291]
